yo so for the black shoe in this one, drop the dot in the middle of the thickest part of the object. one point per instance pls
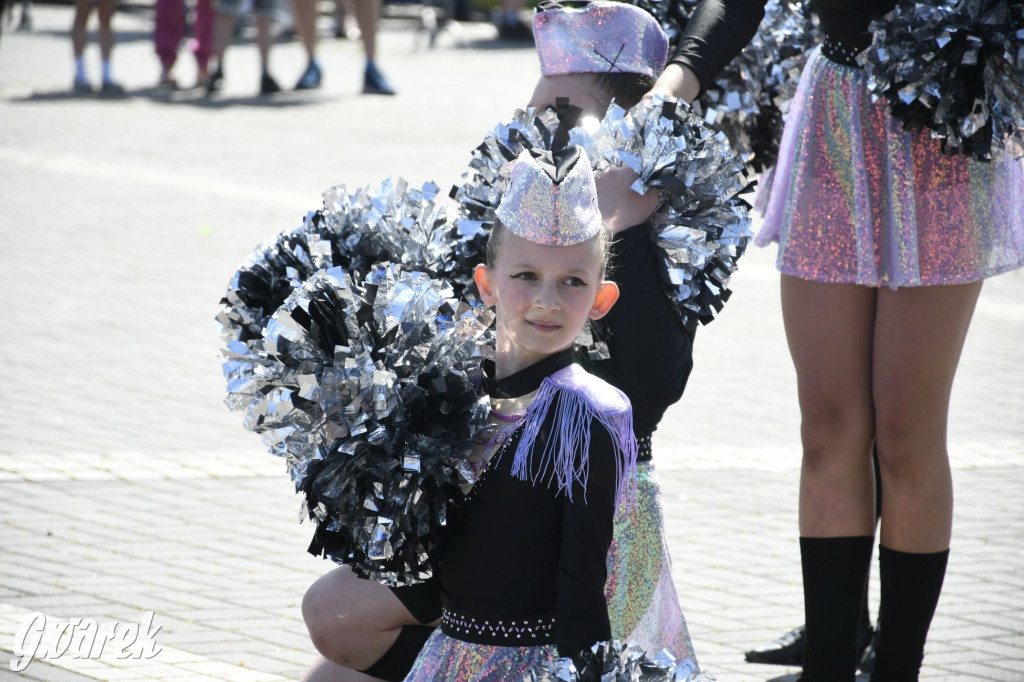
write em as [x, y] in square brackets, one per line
[310, 78]
[82, 87]
[215, 82]
[111, 89]
[786, 650]
[789, 648]
[268, 86]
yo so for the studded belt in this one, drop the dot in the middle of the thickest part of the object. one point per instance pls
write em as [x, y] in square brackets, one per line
[498, 631]
[643, 448]
[844, 49]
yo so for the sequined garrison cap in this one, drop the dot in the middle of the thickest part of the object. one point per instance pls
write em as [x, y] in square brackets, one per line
[551, 199]
[598, 37]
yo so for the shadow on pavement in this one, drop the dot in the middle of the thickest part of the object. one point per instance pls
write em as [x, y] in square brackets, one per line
[195, 97]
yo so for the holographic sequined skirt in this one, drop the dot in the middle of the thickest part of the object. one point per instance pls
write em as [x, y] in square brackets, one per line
[642, 602]
[855, 199]
[446, 659]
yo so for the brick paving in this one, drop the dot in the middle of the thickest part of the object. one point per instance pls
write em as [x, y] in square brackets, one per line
[127, 487]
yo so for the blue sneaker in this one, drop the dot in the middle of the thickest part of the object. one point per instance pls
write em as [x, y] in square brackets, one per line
[310, 78]
[374, 82]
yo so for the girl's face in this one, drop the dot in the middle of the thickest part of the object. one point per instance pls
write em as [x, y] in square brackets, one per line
[543, 295]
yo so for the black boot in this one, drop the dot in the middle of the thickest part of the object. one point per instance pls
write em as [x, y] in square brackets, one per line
[834, 576]
[911, 584]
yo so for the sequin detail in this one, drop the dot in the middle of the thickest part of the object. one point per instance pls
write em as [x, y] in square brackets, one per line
[857, 200]
[642, 603]
[600, 37]
[446, 659]
[500, 631]
[544, 212]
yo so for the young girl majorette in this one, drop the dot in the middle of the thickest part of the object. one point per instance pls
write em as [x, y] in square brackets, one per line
[522, 573]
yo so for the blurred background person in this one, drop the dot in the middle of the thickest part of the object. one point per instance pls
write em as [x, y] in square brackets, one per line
[228, 12]
[171, 20]
[105, 12]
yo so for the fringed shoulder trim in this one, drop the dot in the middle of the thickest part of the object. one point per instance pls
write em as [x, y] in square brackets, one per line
[578, 399]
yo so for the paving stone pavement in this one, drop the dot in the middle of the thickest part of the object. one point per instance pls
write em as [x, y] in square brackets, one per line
[126, 487]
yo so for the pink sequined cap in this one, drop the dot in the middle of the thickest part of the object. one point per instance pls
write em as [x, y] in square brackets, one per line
[599, 37]
[551, 200]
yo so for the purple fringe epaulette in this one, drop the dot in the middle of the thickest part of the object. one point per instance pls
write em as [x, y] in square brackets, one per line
[578, 398]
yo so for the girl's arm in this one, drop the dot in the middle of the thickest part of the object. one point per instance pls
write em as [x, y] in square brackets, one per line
[651, 351]
[582, 618]
[717, 32]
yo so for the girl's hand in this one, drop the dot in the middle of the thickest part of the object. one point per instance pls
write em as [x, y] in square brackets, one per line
[675, 81]
[621, 207]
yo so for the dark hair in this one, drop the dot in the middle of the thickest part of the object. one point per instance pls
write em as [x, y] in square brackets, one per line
[498, 232]
[627, 89]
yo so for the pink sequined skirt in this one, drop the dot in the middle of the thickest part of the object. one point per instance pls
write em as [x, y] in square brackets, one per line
[642, 603]
[446, 659]
[855, 199]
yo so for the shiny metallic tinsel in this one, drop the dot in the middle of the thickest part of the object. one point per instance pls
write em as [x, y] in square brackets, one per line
[618, 662]
[390, 222]
[382, 382]
[704, 225]
[956, 69]
[749, 99]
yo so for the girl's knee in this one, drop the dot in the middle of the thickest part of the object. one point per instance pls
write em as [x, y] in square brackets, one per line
[829, 430]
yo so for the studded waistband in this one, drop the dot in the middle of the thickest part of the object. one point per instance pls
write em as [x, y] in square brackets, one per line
[844, 49]
[498, 631]
[643, 445]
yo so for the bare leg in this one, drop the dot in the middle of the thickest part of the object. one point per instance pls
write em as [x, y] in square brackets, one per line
[263, 41]
[78, 37]
[305, 25]
[919, 335]
[367, 12]
[106, 31]
[830, 329]
[222, 34]
[352, 621]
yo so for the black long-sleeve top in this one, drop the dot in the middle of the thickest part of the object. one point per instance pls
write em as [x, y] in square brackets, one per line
[651, 352]
[719, 29]
[520, 550]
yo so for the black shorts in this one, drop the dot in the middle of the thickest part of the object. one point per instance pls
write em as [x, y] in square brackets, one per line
[423, 601]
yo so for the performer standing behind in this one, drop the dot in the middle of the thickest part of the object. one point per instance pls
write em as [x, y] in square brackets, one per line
[884, 241]
[571, 39]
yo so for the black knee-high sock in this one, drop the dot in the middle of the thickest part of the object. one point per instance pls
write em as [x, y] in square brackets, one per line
[834, 570]
[397, 661]
[911, 584]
